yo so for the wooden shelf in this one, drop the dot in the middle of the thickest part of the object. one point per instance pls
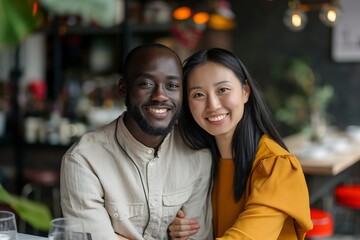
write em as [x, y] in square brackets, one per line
[94, 30]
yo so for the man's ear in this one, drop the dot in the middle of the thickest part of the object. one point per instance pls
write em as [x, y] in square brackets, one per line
[122, 88]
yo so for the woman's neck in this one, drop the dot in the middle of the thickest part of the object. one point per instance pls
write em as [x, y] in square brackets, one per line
[225, 147]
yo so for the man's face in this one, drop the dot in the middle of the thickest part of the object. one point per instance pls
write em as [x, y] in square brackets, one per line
[154, 92]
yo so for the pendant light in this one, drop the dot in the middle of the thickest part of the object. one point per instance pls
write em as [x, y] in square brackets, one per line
[295, 18]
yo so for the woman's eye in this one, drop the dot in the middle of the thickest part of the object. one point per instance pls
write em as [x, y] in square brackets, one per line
[198, 95]
[222, 90]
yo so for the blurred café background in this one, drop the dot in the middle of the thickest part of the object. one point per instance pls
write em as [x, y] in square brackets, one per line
[60, 62]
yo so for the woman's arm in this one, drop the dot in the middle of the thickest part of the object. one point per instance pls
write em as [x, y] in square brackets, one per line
[278, 203]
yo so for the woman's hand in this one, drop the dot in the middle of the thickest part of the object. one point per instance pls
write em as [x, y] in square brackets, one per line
[121, 237]
[182, 228]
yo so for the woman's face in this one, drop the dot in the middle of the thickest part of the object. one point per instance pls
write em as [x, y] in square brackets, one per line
[216, 98]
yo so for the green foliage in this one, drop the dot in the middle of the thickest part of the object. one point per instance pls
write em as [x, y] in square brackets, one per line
[17, 20]
[298, 95]
[36, 214]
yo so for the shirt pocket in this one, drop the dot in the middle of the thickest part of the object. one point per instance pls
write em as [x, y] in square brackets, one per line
[173, 201]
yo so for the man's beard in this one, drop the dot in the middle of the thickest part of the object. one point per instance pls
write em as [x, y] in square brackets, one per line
[134, 111]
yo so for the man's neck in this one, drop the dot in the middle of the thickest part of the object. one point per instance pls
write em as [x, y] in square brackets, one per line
[146, 139]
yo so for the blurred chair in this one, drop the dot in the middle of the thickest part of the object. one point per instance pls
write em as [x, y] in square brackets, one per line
[348, 196]
[323, 224]
[38, 183]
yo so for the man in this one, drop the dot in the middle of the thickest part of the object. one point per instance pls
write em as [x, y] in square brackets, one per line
[130, 177]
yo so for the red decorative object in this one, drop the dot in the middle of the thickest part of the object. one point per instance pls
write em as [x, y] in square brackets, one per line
[188, 34]
[323, 224]
[38, 88]
[348, 196]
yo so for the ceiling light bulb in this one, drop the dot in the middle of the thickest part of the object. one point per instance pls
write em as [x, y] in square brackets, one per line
[329, 14]
[295, 20]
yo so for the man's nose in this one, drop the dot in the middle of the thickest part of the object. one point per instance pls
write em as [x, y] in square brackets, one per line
[160, 94]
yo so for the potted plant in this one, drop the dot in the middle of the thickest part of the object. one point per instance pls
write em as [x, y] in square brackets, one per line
[303, 105]
[36, 214]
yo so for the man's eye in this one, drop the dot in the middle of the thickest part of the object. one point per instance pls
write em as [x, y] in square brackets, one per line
[145, 84]
[173, 85]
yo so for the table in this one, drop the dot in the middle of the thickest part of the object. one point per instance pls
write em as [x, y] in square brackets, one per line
[321, 163]
[22, 236]
[325, 164]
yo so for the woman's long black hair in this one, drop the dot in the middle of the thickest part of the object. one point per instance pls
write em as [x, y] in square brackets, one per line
[256, 120]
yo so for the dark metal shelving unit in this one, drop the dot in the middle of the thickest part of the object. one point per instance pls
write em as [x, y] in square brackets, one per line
[56, 32]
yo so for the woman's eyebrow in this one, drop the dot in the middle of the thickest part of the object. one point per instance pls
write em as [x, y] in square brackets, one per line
[215, 84]
[221, 82]
[194, 88]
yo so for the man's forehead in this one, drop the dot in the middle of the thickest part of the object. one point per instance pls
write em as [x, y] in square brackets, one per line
[152, 59]
[149, 58]
[151, 52]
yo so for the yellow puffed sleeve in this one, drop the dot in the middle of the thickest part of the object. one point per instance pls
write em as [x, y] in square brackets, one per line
[276, 199]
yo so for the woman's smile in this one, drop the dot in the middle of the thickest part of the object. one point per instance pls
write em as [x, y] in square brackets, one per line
[218, 118]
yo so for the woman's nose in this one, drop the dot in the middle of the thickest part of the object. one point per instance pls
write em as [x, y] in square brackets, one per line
[213, 103]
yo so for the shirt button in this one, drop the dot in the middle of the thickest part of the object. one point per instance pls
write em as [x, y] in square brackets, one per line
[151, 164]
[116, 215]
[149, 151]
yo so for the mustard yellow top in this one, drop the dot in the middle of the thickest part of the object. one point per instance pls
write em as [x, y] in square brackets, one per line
[275, 204]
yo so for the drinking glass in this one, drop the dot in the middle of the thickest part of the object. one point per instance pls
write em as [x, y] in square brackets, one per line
[66, 229]
[8, 230]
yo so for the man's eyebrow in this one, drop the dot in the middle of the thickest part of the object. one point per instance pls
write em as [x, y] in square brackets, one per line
[175, 77]
[144, 74]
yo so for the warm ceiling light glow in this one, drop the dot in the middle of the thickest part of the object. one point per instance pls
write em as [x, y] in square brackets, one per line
[295, 16]
[331, 16]
[201, 18]
[296, 20]
[182, 13]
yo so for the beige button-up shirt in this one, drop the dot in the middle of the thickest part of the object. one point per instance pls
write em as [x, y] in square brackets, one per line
[136, 195]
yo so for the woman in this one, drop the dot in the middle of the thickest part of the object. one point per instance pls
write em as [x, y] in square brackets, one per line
[259, 190]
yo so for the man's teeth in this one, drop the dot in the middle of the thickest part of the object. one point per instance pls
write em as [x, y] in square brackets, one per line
[217, 118]
[156, 110]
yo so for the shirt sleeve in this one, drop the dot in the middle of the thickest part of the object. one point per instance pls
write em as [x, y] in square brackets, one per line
[199, 205]
[278, 193]
[82, 198]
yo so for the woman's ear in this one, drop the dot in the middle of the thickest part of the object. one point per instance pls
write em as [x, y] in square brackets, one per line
[247, 91]
[122, 88]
